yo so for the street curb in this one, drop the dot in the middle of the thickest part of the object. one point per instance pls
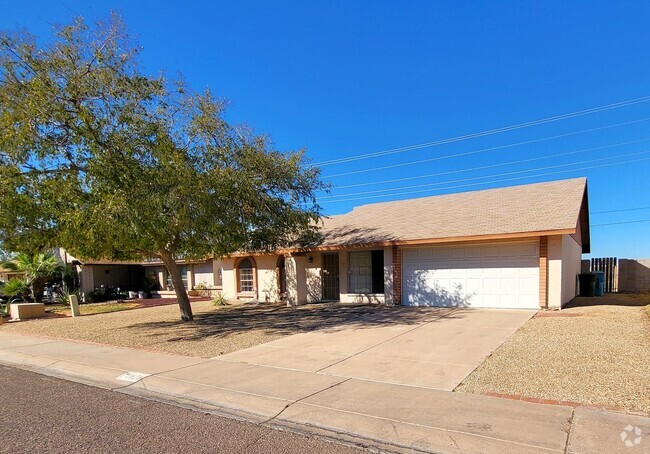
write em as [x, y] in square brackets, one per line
[217, 410]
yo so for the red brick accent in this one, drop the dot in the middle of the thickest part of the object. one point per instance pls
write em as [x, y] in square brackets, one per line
[567, 403]
[556, 314]
[397, 276]
[543, 272]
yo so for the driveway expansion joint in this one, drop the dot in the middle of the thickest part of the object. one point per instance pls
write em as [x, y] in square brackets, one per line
[568, 430]
[303, 398]
[30, 345]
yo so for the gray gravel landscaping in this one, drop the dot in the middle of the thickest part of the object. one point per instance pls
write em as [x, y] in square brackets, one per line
[215, 330]
[589, 354]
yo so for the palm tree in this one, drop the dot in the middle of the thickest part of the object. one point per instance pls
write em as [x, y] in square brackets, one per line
[16, 288]
[37, 269]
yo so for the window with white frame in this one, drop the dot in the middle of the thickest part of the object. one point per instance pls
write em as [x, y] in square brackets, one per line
[366, 272]
[245, 271]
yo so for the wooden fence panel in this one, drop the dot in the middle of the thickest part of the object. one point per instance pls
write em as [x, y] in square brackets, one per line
[609, 266]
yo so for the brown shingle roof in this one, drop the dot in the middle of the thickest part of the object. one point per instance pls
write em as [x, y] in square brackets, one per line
[540, 207]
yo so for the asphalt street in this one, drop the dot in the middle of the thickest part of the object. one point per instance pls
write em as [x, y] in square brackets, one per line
[41, 414]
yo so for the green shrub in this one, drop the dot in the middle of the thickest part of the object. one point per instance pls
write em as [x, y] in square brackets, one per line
[220, 300]
[17, 288]
[62, 295]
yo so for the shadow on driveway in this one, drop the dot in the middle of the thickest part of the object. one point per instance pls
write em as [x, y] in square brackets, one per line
[279, 320]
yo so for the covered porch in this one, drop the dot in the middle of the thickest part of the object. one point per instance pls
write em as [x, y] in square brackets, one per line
[352, 275]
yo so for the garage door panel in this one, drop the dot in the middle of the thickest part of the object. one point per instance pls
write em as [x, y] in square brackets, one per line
[509, 284]
[499, 275]
[473, 252]
[528, 285]
[410, 254]
[474, 285]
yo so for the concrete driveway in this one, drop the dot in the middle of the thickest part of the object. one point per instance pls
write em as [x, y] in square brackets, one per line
[437, 348]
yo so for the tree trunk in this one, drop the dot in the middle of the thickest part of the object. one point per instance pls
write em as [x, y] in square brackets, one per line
[38, 288]
[181, 293]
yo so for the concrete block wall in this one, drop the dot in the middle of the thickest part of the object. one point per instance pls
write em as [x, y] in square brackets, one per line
[634, 275]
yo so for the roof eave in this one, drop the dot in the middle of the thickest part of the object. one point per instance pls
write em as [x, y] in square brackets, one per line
[416, 242]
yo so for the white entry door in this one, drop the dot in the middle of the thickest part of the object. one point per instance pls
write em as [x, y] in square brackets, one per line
[500, 275]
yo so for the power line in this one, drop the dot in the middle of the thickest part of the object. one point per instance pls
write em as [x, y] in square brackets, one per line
[622, 222]
[395, 180]
[486, 133]
[487, 182]
[490, 176]
[618, 211]
[482, 150]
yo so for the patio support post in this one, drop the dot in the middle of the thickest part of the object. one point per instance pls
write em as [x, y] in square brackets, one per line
[295, 267]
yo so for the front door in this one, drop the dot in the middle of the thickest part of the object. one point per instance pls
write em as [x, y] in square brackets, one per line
[330, 277]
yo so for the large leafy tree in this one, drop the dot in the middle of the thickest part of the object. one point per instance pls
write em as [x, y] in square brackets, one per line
[111, 163]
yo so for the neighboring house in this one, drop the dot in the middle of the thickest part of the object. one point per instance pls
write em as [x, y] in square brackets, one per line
[6, 275]
[513, 247]
[131, 275]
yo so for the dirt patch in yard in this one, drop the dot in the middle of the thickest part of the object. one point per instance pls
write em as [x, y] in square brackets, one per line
[600, 356]
[215, 330]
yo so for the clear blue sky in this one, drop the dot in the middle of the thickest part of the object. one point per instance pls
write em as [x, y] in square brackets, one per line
[354, 77]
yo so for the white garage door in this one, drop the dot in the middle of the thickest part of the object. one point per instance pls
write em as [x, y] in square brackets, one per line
[495, 275]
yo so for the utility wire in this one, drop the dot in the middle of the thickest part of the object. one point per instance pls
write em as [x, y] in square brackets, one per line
[618, 211]
[377, 191]
[486, 133]
[483, 150]
[622, 222]
[487, 182]
[395, 180]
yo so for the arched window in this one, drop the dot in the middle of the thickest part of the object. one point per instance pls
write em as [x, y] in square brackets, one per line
[246, 280]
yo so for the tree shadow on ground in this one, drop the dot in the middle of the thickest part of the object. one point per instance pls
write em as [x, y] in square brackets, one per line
[279, 320]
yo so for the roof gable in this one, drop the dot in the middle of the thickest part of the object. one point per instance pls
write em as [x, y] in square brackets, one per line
[541, 207]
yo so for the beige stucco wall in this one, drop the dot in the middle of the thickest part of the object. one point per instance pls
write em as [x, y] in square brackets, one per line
[267, 288]
[228, 285]
[86, 279]
[296, 275]
[571, 262]
[266, 280]
[564, 256]
[313, 287]
[554, 271]
[202, 274]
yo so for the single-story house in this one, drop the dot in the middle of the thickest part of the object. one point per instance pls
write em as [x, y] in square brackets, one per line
[131, 275]
[511, 247]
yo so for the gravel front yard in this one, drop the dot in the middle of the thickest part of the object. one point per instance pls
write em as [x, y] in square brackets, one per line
[215, 330]
[594, 355]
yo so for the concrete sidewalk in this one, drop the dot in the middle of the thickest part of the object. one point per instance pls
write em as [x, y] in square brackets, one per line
[383, 415]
